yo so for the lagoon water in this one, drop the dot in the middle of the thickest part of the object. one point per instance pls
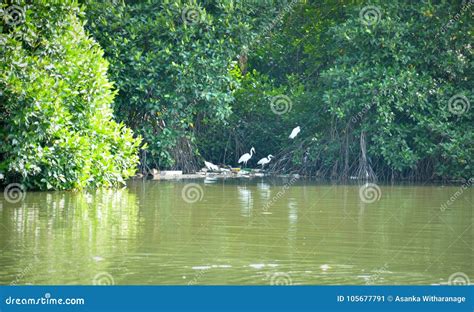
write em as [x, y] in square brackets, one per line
[250, 232]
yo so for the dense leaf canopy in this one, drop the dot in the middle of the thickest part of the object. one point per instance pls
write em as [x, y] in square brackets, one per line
[56, 116]
[380, 89]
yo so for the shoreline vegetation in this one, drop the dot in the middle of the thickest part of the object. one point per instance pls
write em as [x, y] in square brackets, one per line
[213, 176]
[93, 93]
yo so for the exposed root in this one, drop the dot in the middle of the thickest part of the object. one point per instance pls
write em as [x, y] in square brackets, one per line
[365, 171]
[184, 157]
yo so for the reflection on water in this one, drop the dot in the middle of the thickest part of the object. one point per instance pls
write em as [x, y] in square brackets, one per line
[292, 211]
[246, 201]
[311, 234]
[62, 236]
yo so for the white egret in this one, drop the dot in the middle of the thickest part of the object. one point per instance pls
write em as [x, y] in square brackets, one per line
[211, 166]
[265, 160]
[245, 157]
[295, 132]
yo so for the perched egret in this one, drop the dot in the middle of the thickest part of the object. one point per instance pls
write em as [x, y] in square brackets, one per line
[295, 132]
[245, 157]
[265, 160]
[211, 166]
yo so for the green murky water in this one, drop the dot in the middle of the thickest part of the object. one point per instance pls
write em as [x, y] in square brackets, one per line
[239, 232]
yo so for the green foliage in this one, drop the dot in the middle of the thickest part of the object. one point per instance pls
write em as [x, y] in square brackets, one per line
[397, 74]
[171, 61]
[252, 122]
[197, 79]
[280, 66]
[391, 81]
[57, 130]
